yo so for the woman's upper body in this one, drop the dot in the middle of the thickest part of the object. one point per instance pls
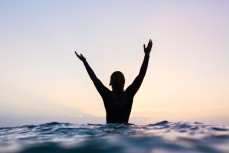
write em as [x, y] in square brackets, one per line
[118, 103]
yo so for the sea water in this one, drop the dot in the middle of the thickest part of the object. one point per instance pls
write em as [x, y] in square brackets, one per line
[162, 137]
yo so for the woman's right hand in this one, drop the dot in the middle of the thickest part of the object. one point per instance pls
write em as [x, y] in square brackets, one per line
[148, 48]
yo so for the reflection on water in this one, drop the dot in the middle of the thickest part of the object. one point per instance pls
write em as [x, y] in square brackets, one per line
[162, 137]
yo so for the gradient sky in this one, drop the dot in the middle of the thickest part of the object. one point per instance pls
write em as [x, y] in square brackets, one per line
[41, 79]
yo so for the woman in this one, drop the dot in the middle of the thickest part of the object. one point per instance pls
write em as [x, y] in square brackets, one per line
[118, 103]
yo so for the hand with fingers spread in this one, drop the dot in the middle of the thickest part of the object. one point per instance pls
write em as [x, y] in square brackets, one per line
[148, 48]
[81, 57]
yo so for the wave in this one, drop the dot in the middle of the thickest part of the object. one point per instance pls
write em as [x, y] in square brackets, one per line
[161, 137]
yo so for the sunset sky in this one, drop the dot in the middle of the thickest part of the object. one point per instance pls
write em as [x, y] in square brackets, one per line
[42, 80]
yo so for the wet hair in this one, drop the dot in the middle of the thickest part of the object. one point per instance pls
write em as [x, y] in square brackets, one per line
[117, 80]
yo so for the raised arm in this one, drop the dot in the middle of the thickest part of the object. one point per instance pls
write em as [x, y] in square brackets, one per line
[133, 88]
[88, 68]
[98, 84]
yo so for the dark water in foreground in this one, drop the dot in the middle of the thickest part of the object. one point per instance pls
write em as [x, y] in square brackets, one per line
[162, 137]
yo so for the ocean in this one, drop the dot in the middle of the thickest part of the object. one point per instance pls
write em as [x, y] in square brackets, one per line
[162, 137]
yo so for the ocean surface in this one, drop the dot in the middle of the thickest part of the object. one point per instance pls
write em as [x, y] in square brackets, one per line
[162, 137]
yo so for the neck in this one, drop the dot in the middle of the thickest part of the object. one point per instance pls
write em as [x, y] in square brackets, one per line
[117, 90]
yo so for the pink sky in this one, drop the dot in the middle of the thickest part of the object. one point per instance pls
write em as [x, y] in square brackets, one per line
[42, 80]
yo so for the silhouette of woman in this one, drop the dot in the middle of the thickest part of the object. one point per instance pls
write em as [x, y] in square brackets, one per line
[118, 103]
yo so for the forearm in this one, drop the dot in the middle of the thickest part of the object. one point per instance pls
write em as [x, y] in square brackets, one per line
[144, 66]
[90, 71]
[98, 84]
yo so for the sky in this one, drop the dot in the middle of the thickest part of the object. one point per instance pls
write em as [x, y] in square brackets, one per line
[42, 80]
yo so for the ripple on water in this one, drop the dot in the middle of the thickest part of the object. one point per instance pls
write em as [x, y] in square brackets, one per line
[161, 137]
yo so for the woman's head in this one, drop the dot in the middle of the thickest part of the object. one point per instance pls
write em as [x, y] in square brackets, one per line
[117, 81]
